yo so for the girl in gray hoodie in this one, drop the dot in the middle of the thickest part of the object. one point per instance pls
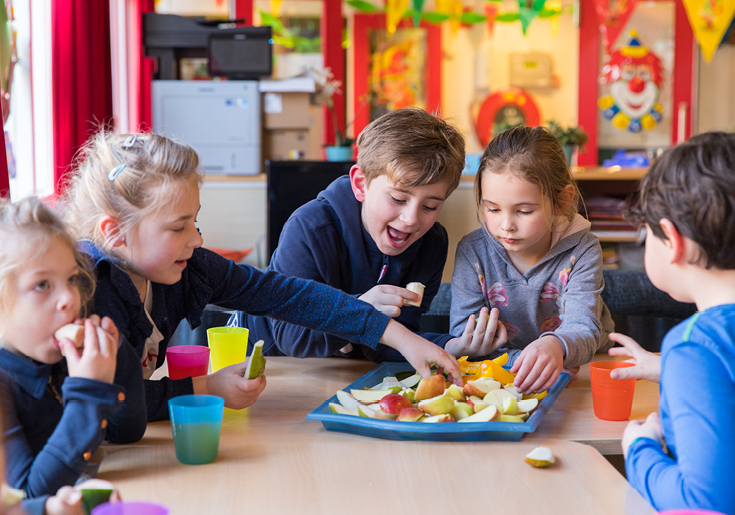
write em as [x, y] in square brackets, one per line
[534, 265]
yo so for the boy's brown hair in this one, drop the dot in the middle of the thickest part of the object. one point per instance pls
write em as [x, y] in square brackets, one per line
[413, 148]
[535, 155]
[693, 186]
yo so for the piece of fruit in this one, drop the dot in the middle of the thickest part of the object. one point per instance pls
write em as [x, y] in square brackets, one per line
[416, 288]
[411, 381]
[501, 360]
[371, 396]
[539, 396]
[439, 418]
[411, 415]
[480, 387]
[10, 496]
[394, 403]
[496, 397]
[510, 406]
[438, 405]
[347, 400]
[365, 411]
[408, 394]
[527, 405]
[74, 332]
[489, 414]
[511, 418]
[540, 457]
[341, 410]
[256, 363]
[455, 392]
[430, 387]
[461, 410]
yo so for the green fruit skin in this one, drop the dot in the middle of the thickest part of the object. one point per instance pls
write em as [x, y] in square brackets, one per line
[256, 365]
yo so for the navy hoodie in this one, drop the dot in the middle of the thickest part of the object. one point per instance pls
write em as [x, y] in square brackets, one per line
[324, 240]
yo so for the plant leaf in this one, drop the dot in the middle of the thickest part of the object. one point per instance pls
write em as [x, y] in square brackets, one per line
[362, 6]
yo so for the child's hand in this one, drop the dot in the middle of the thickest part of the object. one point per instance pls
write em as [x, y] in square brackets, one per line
[67, 501]
[389, 299]
[229, 383]
[649, 428]
[647, 364]
[482, 339]
[420, 353]
[539, 365]
[99, 357]
[99, 484]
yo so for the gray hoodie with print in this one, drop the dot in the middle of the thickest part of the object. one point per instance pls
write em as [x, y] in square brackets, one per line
[559, 296]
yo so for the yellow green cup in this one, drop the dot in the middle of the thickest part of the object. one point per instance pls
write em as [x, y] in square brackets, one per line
[227, 346]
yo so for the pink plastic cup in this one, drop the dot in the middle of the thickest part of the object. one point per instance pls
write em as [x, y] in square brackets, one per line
[130, 508]
[612, 399]
[187, 361]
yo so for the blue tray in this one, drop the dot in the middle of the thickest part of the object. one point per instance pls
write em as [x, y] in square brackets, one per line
[394, 430]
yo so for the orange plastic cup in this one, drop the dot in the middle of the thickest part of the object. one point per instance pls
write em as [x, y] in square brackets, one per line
[612, 399]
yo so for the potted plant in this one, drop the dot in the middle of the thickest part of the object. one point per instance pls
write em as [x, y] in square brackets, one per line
[326, 87]
[569, 138]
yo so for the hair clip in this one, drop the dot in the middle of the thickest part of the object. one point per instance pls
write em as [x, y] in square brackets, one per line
[115, 172]
[130, 141]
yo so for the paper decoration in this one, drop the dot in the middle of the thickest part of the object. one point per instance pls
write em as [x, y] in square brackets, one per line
[455, 22]
[709, 19]
[394, 11]
[634, 75]
[276, 6]
[491, 11]
[554, 5]
[612, 16]
[418, 6]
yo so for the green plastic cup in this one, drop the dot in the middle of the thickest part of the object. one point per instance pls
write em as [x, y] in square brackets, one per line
[92, 497]
[227, 346]
[196, 421]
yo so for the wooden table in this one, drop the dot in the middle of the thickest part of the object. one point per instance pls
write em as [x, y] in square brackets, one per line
[272, 460]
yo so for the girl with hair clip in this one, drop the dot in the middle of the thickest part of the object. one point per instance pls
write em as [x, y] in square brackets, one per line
[60, 402]
[534, 265]
[133, 201]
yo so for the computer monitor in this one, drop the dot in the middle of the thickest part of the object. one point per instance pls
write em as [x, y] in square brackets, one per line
[291, 184]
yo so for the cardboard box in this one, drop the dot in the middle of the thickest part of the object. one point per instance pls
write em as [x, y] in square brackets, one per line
[286, 110]
[282, 145]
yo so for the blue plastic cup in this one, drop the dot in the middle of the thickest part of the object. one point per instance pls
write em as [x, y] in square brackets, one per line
[130, 508]
[196, 421]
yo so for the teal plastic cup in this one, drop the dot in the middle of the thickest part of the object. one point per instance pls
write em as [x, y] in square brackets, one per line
[196, 421]
[130, 508]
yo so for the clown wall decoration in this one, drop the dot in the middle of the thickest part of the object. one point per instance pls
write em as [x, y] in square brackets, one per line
[634, 75]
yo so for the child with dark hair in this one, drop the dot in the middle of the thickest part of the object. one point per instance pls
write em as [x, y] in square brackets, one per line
[534, 262]
[684, 456]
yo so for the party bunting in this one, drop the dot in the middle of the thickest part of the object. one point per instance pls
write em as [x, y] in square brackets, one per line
[418, 6]
[394, 11]
[709, 19]
[612, 16]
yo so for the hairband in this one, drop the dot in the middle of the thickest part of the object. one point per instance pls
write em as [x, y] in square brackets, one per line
[115, 172]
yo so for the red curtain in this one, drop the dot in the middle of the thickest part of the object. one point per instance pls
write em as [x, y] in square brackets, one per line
[81, 77]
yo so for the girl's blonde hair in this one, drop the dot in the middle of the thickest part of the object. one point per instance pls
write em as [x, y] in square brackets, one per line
[27, 228]
[535, 155]
[126, 177]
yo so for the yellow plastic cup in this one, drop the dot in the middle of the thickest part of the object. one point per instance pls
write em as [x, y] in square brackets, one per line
[227, 346]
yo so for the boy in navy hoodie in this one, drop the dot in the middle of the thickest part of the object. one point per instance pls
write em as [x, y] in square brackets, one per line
[372, 233]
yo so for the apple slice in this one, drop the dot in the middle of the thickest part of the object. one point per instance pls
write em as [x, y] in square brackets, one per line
[74, 332]
[256, 363]
[514, 390]
[455, 392]
[527, 405]
[411, 381]
[481, 387]
[439, 418]
[510, 406]
[496, 397]
[370, 396]
[489, 414]
[410, 415]
[415, 288]
[511, 418]
[439, 405]
[341, 410]
[430, 387]
[540, 457]
[388, 382]
[347, 400]
[461, 410]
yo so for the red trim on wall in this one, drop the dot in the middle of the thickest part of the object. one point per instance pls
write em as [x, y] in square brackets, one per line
[332, 26]
[364, 23]
[244, 9]
[81, 77]
[145, 67]
[589, 64]
[4, 173]
[683, 73]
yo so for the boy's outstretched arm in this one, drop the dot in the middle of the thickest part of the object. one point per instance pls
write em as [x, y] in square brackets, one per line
[420, 353]
[647, 364]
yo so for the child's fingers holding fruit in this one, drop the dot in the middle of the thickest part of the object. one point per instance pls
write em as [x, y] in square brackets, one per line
[67, 501]
[99, 357]
[229, 383]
